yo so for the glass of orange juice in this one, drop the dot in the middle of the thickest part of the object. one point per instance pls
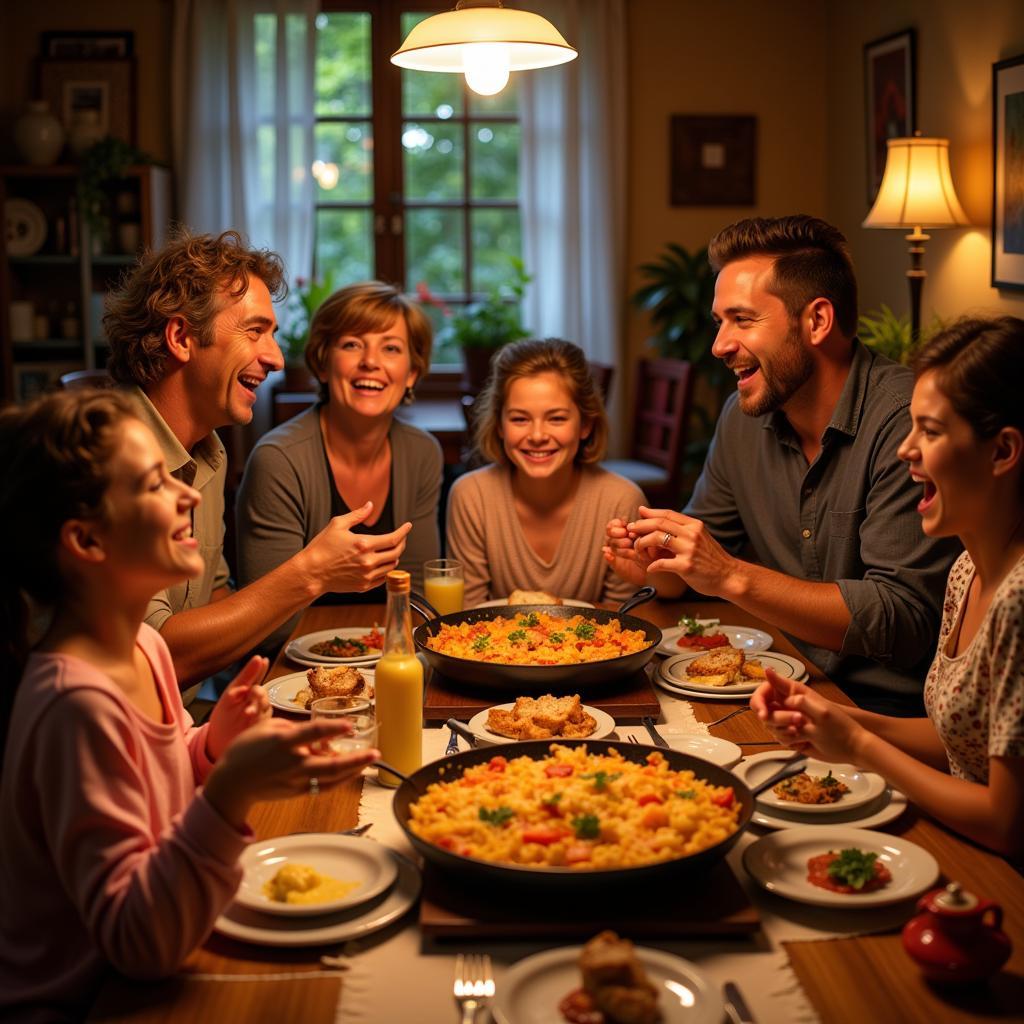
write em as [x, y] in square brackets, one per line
[443, 585]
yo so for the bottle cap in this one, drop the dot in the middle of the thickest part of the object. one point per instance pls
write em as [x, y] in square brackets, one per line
[399, 582]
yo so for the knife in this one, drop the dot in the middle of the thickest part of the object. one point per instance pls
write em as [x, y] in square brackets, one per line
[656, 738]
[735, 1006]
[794, 766]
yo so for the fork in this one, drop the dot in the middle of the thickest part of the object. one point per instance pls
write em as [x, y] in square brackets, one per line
[474, 985]
[725, 718]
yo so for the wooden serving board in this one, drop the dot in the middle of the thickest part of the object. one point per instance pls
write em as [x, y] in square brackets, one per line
[445, 698]
[710, 903]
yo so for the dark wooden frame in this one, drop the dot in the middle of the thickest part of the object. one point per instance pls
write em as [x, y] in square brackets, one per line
[890, 80]
[713, 160]
[117, 78]
[87, 45]
[1007, 268]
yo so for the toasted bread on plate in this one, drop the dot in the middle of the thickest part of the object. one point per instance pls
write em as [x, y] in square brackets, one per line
[343, 681]
[720, 661]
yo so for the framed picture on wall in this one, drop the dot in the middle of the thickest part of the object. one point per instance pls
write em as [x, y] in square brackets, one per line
[889, 98]
[1008, 173]
[104, 86]
[713, 160]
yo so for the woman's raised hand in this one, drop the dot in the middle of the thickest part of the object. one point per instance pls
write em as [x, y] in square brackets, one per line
[276, 759]
[241, 706]
[620, 554]
[343, 561]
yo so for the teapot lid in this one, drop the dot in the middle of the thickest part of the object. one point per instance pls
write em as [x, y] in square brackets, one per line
[953, 900]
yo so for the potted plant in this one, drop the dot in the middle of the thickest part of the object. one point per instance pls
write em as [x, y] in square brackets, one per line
[885, 332]
[102, 163]
[482, 327]
[678, 295]
[302, 302]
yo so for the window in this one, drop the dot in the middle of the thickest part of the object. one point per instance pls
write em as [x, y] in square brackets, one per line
[417, 176]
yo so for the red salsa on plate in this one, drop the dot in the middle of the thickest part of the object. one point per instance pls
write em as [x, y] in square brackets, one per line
[850, 871]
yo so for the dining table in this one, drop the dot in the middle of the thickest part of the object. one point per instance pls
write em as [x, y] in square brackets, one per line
[802, 963]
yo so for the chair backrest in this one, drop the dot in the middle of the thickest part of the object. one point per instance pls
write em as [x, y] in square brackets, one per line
[663, 391]
[601, 374]
[86, 379]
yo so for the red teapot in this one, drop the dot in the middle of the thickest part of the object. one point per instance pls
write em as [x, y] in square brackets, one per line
[956, 936]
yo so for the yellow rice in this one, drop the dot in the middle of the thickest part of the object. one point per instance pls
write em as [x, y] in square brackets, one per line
[521, 811]
[537, 639]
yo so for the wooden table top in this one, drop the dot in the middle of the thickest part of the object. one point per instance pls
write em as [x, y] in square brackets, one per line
[869, 978]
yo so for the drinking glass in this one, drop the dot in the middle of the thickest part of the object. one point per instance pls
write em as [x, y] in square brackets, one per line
[359, 715]
[443, 584]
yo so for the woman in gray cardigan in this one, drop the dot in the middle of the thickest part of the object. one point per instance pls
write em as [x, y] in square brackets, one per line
[368, 346]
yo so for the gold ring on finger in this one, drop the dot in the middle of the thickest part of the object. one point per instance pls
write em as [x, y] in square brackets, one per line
[666, 539]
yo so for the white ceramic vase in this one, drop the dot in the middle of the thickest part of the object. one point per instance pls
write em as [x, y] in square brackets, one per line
[38, 135]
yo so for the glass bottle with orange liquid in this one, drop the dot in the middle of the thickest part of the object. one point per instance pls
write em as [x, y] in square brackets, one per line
[399, 686]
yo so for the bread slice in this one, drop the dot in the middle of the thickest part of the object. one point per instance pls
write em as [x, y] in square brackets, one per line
[343, 681]
[725, 679]
[580, 730]
[721, 661]
[752, 670]
[505, 723]
[532, 597]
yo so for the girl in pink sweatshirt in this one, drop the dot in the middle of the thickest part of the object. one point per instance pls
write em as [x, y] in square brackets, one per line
[109, 853]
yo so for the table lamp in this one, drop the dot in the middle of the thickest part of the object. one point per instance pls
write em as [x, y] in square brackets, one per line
[916, 192]
[485, 41]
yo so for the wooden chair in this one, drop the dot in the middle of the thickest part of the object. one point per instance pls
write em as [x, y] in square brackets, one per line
[602, 374]
[655, 463]
[86, 379]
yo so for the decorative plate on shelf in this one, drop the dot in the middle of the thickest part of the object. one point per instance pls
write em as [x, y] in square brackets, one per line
[25, 227]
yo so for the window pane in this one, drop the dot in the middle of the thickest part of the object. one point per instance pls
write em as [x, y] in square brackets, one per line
[494, 149]
[504, 102]
[265, 43]
[342, 64]
[428, 93]
[432, 158]
[343, 165]
[344, 245]
[495, 238]
[433, 250]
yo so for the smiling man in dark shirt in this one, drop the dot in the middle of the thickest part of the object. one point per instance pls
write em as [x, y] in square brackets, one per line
[803, 514]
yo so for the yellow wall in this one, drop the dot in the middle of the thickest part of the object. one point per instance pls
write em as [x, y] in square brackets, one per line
[957, 43]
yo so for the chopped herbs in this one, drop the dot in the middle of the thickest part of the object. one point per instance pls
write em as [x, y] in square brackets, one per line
[530, 621]
[557, 638]
[550, 801]
[830, 781]
[517, 636]
[601, 779]
[691, 627]
[496, 817]
[481, 642]
[853, 867]
[587, 826]
[686, 794]
[586, 630]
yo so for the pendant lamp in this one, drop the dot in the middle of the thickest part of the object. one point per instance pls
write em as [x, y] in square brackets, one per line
[484, 41]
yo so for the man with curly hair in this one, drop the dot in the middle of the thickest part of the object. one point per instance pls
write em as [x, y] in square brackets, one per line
[191, 333]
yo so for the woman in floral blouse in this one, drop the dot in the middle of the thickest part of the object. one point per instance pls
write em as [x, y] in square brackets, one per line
[964, 763]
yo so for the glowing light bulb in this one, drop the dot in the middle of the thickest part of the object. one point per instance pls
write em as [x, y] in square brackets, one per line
[485, 66]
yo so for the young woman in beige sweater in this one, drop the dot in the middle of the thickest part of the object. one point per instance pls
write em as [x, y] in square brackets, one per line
[535, 519]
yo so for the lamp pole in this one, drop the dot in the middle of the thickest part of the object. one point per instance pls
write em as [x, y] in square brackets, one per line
[915, 276]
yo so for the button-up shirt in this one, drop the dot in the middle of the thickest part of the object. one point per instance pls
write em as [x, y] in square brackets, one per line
[849, 517]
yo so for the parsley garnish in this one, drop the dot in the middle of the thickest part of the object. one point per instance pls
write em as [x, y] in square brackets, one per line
[853, 867]
[529, 620]
[586, 630]
[496, 817]
[550, 801]
[481, 642]
[691, 627]
[587, 826]
[601, 779]
[557, 638]
[686, 794]
[829, 781]
[517, 636]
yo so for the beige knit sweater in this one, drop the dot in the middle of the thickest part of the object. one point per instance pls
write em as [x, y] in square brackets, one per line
[485, 536]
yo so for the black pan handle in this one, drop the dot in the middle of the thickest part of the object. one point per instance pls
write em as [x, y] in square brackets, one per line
[419, 603]
[643, 595]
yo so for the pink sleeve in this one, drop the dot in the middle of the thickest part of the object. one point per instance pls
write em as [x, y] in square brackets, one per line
[148, 894]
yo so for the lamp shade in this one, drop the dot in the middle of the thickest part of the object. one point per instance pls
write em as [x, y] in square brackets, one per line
[439, 43]
[917, 189]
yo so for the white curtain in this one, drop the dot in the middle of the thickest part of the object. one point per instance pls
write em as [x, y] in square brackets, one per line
[573, 181]
[243, 110]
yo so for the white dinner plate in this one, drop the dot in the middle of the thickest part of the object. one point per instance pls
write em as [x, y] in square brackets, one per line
[282, 692]
[707, 748]
[744, 638]
[344, 858]
[478, 723]
[567, 602]
[270, 930]
[865, 787]
[673, 671]
[301, 646]
[685, 693]
[532, 989]
[778, 863]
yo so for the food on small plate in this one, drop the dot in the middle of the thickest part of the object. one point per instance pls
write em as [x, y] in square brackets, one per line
[724, 667]
[699, 636]
[811, 789]
[850, 871]
[532, 597]
[344, 681]
[302, 884]
[537, 639]
[575, 810]
[350, 647]
[542, 718]
[615, 987]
